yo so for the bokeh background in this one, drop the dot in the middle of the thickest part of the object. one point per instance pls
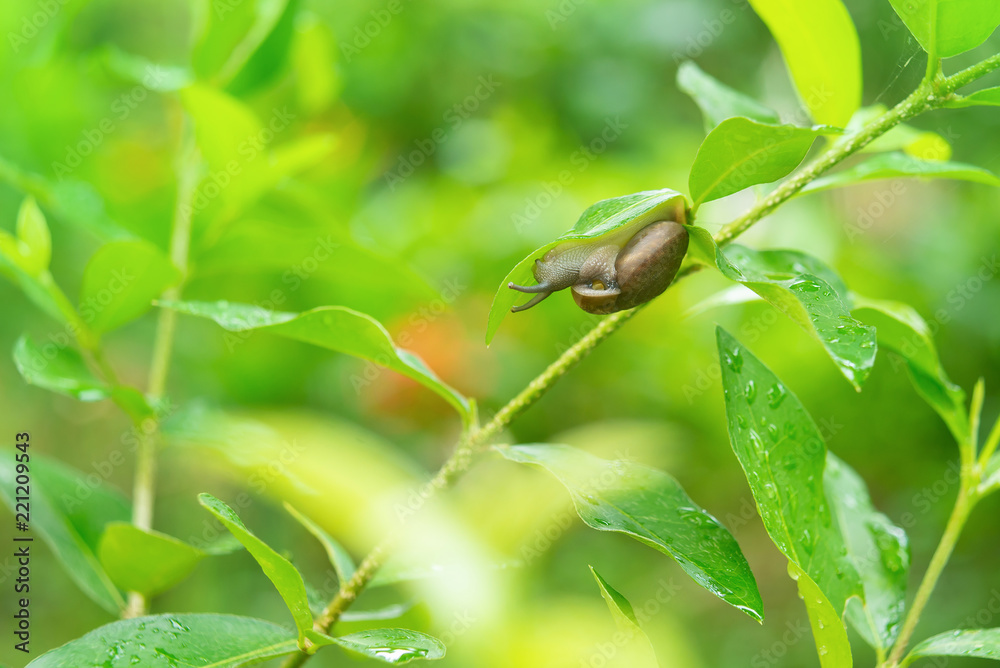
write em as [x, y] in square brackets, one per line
[444, 140]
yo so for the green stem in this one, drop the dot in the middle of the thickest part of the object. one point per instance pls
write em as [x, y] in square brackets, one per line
[144, 482]
[966, 501]
[919, 101]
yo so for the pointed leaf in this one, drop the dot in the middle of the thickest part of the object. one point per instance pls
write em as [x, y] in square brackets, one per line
[334, 328]
[70, 513]
[145, 561]
[829, 633]
[989, 97]
[740, 153]
[978, 643]
[340, 559]
[189, 640]
[651, 507]
[34, 233]
[718, 101]
[618, 217]
[804, 289]
[783, 454]
[946, 28]
[900, 165]
[280, 571]
[879, 550]
[636, 649]
[822, 51]
[121, 281]
[393, 645]
[901, 330]
[58, 369]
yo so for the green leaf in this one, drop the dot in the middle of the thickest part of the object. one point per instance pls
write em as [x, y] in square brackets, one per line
[783, 454]
[804, 289]
[899, 165]
[340, 559]
[335, 328]
[270, 55]
[637, 648]
[145, 561]
[989, 97]
[121, 281]
[832, 643]
[901, 330]
[880, 553]
[913, 141]
[70, 513]
[740, 153]
[946, 28]
[392, 645]
[285, 577]
[718, 101]
[821, 48]
[607, 218]
[978, 643]
[31, 250]
[651, 507]
[58, 369]
[34, 233]
[189, 640]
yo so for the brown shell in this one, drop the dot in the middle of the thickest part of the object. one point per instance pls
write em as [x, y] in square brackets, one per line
[644, 268]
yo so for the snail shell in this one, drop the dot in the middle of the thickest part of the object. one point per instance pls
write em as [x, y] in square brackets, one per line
[607, 276]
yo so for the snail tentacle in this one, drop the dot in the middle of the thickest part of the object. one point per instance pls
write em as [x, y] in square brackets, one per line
[534, 300]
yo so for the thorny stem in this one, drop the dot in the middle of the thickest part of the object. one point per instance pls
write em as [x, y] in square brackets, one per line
[144, 483]
[922, 99]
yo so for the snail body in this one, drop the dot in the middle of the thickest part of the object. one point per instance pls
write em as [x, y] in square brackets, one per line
[611, 273]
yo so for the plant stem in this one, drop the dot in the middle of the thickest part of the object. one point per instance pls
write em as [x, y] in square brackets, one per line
[920, 100]
[144, 483]
[967, 498]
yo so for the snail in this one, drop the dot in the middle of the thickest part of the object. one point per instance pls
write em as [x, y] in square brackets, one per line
[611, 273]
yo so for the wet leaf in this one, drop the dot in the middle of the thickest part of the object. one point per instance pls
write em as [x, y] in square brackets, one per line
[651, 507]
[783, 453]
[189, 640]
[804, 289]
[879, 550]
[978, 643]
[393, 645]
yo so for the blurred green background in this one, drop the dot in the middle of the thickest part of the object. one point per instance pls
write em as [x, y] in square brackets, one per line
[418, 151]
